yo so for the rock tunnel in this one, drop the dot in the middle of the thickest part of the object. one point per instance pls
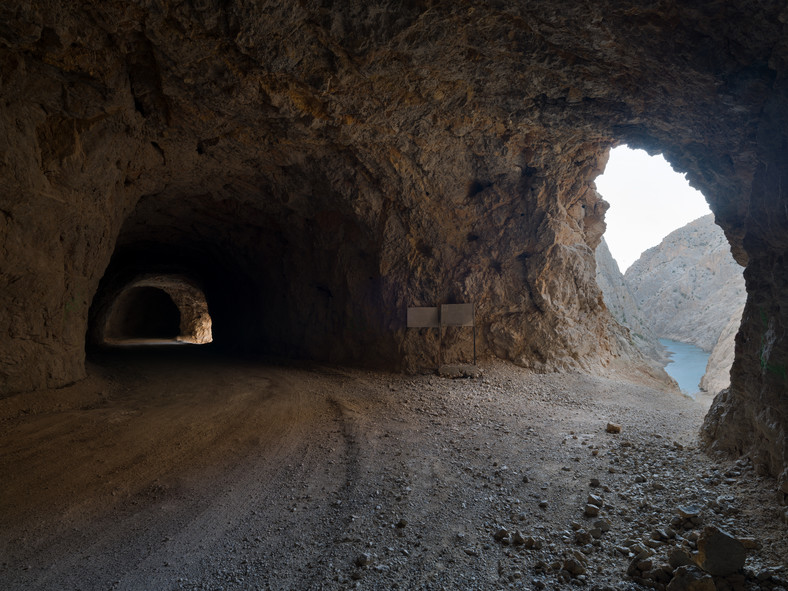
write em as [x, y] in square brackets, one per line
[316, 168]
[163, 307]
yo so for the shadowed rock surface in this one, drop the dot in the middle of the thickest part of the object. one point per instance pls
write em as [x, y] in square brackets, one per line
[318, 170]
[622, 305]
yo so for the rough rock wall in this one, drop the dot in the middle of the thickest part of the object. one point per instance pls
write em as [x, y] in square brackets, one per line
[623, 306]
[689, 285]
[718, 368]
[407, 153]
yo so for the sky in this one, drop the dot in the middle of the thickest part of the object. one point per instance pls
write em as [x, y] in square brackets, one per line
[648, 200]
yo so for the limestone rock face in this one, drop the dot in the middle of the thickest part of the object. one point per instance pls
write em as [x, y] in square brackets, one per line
[718, 368]
[689, 285]
[317, 168]
[622, 305]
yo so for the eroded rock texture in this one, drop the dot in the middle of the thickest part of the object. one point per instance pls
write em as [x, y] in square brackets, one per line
[318, 167]
[624, 307]
[688, 285]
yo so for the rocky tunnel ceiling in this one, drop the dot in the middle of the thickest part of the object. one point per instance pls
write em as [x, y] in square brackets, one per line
[320, 166]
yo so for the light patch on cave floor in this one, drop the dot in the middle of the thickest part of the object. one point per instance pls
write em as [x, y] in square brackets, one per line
[149, 342]
[648, 200]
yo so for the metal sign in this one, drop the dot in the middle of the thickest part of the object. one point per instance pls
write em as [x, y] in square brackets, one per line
[457, 315]
[446, 315]
[423, 317]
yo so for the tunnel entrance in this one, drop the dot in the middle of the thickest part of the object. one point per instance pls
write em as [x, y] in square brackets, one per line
[666, 270]
[144, 313]
[279, 282]
[153, 309]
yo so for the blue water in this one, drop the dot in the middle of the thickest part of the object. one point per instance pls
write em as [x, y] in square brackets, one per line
[687, 364]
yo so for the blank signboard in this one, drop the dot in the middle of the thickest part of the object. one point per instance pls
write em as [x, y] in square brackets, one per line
[457, 315]
[423, 318]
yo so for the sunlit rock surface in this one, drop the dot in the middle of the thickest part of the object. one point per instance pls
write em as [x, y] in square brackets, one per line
[317, 170]
[688, 286]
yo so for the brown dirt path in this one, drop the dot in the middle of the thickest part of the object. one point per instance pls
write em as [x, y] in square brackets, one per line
[176, 470]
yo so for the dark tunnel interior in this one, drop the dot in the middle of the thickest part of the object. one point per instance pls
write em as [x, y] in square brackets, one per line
[276, 282]
[144, 313]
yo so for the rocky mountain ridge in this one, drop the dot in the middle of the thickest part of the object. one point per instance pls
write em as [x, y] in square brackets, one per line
[689, 285]
[688, 289]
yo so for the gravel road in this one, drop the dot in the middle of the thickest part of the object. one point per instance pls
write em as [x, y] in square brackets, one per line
[172, 469]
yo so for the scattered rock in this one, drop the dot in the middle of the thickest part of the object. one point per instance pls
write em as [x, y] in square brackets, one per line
[719, 553]
[691, 578]
[591, 510]
[460, 371]
[595, 500]
[574, 567]
[501, 534]
[613, 428]
[678, 557]
[689, 511]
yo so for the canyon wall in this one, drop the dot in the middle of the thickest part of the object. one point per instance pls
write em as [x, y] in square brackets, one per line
[689, 285]
[316, 170]
[623, 306]
[718, 368]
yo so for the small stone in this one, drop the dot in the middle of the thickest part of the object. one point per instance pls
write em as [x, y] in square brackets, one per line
[363, 559]
[533, 543]
[591, 510]
[595, 482]
[660, 534]
[678, 557]
[602, 524]
[402, 523]
[750, 543]
[645, 565]
[595, 500]
[689, 511]
[543, 504]
[501, 534]
[582, 537]
[574, 567]
[691, 578]
[719, 553]
[613, 428]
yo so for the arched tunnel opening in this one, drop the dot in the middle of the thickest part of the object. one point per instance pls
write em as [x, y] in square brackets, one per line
[276, 281]
[150, 307]
[666, 270]
[144, 313]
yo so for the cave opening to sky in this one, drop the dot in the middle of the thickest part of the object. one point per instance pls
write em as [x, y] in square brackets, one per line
[648, 200]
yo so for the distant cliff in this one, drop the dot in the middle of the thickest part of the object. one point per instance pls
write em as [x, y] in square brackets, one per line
[621, 303]
[718, 369]
[688, 286]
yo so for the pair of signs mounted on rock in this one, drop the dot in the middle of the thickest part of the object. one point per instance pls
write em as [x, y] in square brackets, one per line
[442, 317]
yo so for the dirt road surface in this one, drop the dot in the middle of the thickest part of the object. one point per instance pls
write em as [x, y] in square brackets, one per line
[174, 469]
